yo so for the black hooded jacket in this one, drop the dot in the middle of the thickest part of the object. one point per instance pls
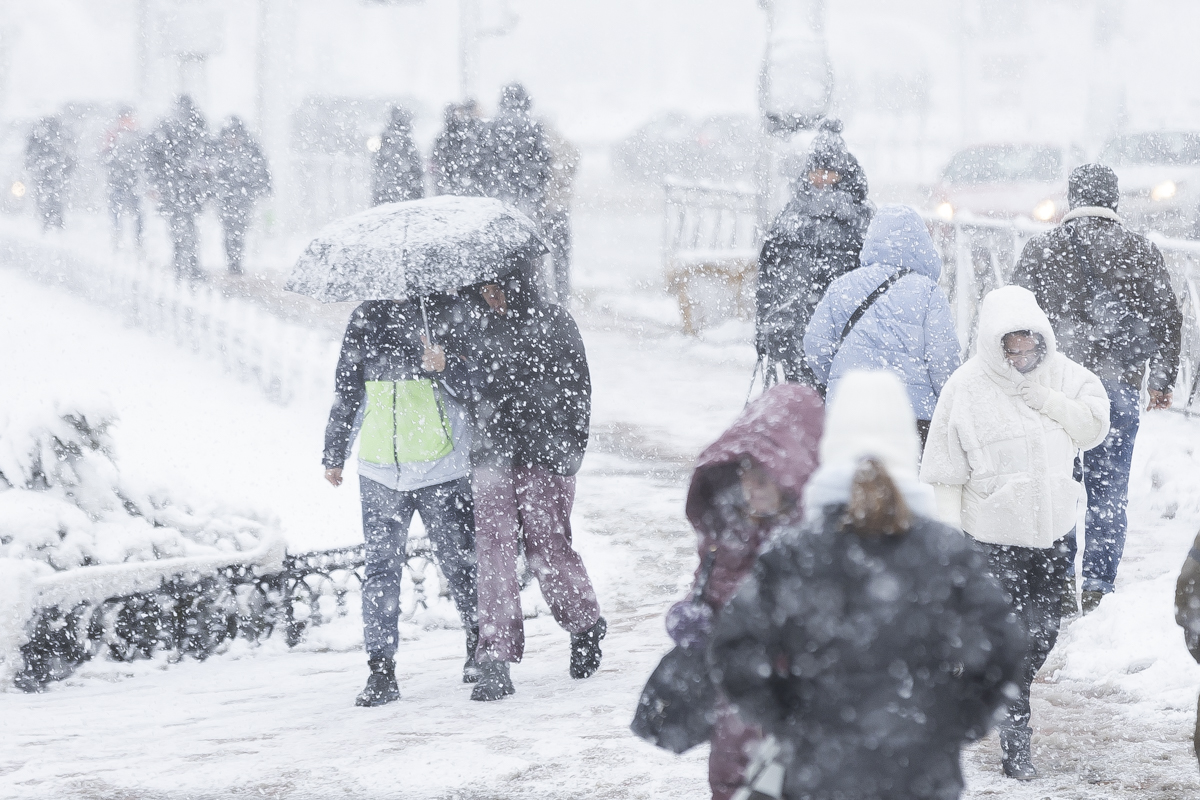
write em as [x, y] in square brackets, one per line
[531, 390]
[873, 658]
[814, 240]
[397, 173]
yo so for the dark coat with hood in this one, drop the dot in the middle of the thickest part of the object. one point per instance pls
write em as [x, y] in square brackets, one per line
[530, 387]
[179, 161]
[815, 239]
[516, 157]
[457, 159]
[779, 432]
[241, 174]
[398, 173]
[1091, 251]
[872, 657]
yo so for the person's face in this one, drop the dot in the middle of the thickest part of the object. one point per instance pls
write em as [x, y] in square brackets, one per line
[764, 497]
[493, 295]
[824, 178]
[1022, 351]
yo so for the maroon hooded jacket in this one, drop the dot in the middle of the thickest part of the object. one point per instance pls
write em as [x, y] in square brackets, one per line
[779, 432]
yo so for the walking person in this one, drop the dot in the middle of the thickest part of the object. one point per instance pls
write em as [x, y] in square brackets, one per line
[397, 173]
[815, 239]
[50, 162]
[516, 158]
[179, 169]
[414, 456]
[124, 159]
[456, 162]
[888, 314]
[241, 178]
[532, 398]
[1109, 300]
[870, 640]
[1000, 456]
[746, 487]
[556, 212]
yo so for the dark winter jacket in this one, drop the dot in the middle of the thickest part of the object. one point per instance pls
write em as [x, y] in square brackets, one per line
[516, 158]
[398, 174]
[178, 161]
[241, 172]
[873, 658]
[457, 155]
[531, 390]
[382, 343]
[1090, 259]
[815, 239]
[779, 432]
[48, 156]
[124, 159]
[1187, 601]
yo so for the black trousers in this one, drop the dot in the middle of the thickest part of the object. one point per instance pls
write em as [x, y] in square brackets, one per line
[1033, 577]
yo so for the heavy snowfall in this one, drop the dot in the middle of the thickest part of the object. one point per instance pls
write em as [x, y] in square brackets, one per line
[169, 373]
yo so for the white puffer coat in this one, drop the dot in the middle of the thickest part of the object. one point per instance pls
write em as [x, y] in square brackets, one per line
[1002, 445]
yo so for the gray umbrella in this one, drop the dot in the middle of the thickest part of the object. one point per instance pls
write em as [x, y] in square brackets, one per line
[414, 248]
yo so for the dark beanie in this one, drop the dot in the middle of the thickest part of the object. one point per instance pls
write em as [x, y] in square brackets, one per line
[1092, 185]
[829, 152]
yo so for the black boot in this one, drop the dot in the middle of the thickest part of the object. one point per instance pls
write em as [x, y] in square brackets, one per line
[1016, 758]
[585, 650]
[381, 686]
[1090, 600]
[1070, 606]
[494, 681]
[471, 668]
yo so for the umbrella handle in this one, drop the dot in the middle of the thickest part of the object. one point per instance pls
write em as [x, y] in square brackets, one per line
[425, 317]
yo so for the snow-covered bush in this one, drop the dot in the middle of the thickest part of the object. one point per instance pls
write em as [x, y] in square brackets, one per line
[65, 504]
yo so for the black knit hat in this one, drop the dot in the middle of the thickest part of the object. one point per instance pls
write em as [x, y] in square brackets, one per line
[1093, 185]
[829, 152]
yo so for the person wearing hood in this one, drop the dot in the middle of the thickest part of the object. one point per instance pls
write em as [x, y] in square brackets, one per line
[50, 161]
[870, 640]
[746, 486]
[815, 239]
[179, 170]
[397, 173]
[241, 178]
[1109, 299]
[517, 159]
[456, 162]
[531, 392]
[1000, 456]
[406, 397]
[888, 314]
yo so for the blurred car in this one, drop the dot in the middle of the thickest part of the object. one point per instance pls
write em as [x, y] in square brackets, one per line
[721, 148]
[1007, 181]
[1159, 177]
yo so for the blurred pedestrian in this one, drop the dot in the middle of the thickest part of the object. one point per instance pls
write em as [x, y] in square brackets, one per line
[49, 160]
[397, 174]
[556, 211]
[746, 487]
[889, 314]
[179, 169]
[1187, 616]
[1001, 454]
[815, 239]
[457, 155]
[516, 157]
[870, 641]
[407, 397]
[532, 397]
[1110, 302]
[241, 178]
[124, 160]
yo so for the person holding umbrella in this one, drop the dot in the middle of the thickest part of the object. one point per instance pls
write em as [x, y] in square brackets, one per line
[403, 382]
[532, 397]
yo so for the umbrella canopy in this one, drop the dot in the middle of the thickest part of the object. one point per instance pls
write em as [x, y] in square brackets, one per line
[415, 248]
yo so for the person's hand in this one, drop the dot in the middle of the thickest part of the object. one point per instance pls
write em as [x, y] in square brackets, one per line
[1034, 394]
[1159, 400]
[434, 357]
[334, 476]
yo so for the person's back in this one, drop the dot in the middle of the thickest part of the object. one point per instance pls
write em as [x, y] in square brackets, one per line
[908, 328]
[398, 173]
[516, 157]
[241, 174]
[456, 156]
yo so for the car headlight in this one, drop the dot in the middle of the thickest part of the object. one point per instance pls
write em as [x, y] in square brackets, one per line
[374, 143]
[1045, 210]
[1164, 191]
[945, 211]
[18, 189]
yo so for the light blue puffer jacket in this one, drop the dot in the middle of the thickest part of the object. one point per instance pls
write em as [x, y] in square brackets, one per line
[909, 330]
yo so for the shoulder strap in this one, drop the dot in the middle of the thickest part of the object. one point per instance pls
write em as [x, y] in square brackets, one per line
[867, 302]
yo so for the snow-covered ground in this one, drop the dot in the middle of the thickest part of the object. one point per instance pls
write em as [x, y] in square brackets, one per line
[1112, 711]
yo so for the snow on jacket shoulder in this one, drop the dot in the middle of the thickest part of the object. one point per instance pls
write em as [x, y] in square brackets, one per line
[909, 330]
[1004, 466]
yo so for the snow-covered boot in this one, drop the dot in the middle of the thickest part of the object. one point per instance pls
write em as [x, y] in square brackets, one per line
[585, 650]
[1090, 600]
[381, 686]
[1016, 757]
[494, 681]
[1070, 605]
[471, 667]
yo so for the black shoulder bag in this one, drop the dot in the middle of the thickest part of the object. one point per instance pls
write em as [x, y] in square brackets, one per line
[867, 302]
[677, 708]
